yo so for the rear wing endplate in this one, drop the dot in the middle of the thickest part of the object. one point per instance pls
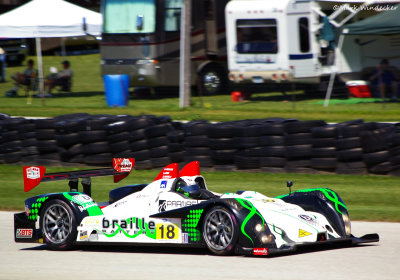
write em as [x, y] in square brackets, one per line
[34, 175]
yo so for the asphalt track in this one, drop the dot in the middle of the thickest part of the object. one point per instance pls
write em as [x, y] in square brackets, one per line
[35, 261]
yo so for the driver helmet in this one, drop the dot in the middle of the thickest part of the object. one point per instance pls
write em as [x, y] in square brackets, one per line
[191, 191]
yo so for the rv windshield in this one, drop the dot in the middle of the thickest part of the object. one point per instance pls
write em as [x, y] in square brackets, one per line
[127, 16]
[256, 36]
[173, 15]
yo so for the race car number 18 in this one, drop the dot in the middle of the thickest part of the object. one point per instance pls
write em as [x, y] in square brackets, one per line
[167, 231]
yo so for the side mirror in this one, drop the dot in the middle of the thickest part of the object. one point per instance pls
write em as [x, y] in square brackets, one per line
[289, 184]
[139, 22]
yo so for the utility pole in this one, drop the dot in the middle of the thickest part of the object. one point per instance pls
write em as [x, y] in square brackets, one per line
[184, 66]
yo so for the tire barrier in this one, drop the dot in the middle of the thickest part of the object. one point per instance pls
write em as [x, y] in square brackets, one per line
[196, 143]
[268, 145]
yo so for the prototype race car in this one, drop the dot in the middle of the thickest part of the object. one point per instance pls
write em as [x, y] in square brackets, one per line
[177, 209]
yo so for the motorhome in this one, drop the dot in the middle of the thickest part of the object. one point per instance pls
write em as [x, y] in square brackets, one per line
[141, 38]
[299, 41]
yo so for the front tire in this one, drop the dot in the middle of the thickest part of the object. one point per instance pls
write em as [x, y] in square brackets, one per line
[58, 225]
[220, 231]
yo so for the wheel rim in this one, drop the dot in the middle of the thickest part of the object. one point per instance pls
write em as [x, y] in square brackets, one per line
[57, 223]
[218, 228]
[211, 82]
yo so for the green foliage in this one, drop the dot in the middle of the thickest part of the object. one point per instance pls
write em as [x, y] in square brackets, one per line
[372, 198]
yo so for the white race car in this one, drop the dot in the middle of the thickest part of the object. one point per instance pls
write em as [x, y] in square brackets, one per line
[178, 209]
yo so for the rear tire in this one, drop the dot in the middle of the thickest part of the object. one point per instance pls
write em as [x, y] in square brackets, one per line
[220, 231]
[213, 80]
[58, 225]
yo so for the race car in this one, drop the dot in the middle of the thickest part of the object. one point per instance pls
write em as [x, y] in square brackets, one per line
[178, 209]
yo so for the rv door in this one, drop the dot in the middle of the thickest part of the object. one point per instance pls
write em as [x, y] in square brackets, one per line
[211, 28]
[303, 59]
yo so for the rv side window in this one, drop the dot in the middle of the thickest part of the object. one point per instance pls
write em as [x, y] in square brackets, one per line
[304, 35]
[173, 15]
[256, 36]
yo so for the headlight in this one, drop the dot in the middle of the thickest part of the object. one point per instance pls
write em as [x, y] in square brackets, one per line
[345, 218]
[259, 227]
[347, 224]
[267, 238]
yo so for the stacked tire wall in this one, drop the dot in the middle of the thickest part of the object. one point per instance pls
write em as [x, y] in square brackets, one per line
[266, 145]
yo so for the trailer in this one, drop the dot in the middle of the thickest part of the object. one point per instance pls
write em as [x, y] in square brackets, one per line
[299, 42]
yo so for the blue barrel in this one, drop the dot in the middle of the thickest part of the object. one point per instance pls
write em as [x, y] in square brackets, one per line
[116, 90]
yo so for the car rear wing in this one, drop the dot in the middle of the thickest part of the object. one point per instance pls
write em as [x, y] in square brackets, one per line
[34, 175]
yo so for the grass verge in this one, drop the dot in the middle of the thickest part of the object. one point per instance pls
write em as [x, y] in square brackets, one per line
[369, 198]
[88, 96]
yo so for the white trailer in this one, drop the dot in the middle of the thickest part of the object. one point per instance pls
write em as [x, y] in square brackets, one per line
[282, 41]
[264, 41]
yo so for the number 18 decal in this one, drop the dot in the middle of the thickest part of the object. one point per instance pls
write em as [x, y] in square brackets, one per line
[167, 231]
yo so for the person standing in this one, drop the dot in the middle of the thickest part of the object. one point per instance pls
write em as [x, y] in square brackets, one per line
[384, 77]
[2, 65]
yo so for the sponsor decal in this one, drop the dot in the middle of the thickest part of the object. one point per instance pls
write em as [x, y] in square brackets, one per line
[33, 172]
[127, 224]
[131, 227]
[141, 195]
[260, 251]
[82, 198]
[167, 173]
[303, 233]
[309, 219]
[185, 238]
[306, 218]
[164, 204]
[84, 201]
[134, 227]
[268, 200]
[163, 184]
[24, 233]
[83, 208]
[92, 220]
[122, 164]
[83, 235]
[119, 203]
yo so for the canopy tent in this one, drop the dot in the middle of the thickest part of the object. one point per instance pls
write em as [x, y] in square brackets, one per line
[49, 18]
[384, 23]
